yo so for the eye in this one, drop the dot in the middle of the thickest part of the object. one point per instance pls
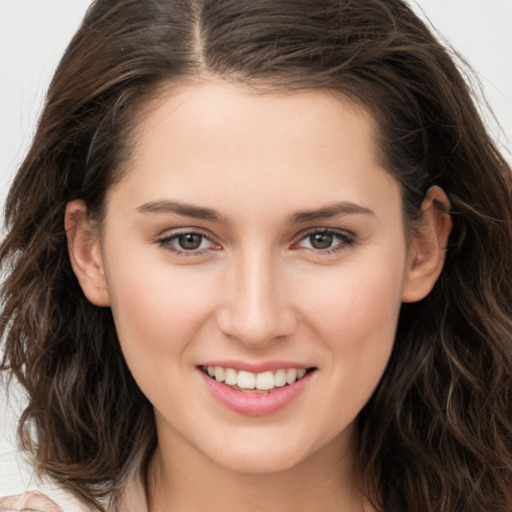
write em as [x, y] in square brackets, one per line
[187, 243]
[326, 240]
[190, 241]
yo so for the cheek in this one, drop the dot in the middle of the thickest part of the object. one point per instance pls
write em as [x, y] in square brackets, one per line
[157, 309]
[356, 324]
[158, 314]
[355, 314]
[356, 298]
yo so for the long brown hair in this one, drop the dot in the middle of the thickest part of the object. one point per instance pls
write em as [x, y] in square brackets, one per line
[437, 432]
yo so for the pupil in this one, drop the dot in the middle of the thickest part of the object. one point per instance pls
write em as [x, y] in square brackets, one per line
[190, 241]
[321, 240]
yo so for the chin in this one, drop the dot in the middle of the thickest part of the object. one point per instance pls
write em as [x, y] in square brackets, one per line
[263, 455]
[260, 461]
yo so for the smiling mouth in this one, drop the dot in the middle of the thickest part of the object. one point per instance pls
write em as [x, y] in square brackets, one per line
[250, 382]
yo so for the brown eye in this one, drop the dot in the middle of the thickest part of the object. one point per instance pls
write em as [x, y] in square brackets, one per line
[190, 241]
[321, 240]
[325, 241]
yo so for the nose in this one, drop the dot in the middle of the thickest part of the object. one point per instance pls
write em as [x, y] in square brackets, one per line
[257, 307]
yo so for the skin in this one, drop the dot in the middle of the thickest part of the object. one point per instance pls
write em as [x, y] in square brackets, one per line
[257, 289]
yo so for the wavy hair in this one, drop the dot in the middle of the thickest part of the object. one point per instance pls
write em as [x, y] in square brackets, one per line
[437, 432]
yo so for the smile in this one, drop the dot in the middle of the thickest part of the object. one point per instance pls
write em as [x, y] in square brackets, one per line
[255, 382]
[255, 393]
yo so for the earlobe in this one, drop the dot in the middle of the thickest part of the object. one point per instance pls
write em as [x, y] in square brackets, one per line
[85, 254]
[427, 248]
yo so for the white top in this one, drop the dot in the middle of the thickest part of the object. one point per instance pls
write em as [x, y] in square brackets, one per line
[133, 500]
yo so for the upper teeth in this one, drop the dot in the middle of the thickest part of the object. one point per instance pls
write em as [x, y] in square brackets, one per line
[248, 380]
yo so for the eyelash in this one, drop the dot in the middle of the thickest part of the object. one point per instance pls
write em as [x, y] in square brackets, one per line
[167, 243]
[345, 238]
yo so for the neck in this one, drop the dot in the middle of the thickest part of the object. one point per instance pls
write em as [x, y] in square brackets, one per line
[187, 480]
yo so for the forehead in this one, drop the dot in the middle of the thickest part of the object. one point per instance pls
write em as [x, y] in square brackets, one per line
[203, 107]
[217, 142]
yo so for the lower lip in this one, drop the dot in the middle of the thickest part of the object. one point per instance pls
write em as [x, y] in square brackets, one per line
[255, 404]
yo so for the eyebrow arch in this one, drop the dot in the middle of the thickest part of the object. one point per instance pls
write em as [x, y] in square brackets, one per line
[197, 212]
[185, 209]
[343, 208]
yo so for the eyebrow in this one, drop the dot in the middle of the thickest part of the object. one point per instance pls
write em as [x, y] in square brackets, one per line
[185, 209]
[197, 212]
[333, 210]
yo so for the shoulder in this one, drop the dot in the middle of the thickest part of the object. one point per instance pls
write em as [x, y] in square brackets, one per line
[131, 499]
[35, 501]
[31, 501]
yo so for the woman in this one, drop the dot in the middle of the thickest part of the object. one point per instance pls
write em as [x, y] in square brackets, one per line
[258, 258]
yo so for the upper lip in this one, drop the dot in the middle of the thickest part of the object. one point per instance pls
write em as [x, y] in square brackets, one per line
[259, 367]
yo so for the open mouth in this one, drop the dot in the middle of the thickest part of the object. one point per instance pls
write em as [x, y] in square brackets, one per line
[250, 382]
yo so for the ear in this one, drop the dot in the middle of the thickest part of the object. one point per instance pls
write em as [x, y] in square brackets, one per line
[85, 253]
[427, 246]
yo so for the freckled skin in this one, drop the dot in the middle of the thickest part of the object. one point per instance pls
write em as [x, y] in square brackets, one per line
[255, 289]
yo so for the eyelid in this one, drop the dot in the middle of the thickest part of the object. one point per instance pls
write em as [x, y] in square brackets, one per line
[164, 240]
[348, 239]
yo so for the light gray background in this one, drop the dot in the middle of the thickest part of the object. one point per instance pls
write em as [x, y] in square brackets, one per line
[34, 34]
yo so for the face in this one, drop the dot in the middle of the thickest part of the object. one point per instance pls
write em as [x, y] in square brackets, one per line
[256, 240]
